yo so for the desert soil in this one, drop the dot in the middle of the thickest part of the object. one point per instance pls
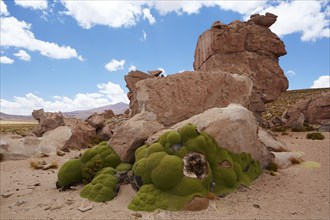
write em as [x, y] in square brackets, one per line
[297, 192]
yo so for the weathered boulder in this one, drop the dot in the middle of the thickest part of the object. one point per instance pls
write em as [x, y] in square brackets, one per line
[132, 134]
[234, 128]
[314, 110]
[83, 134]
[131, 79]
[155, 72]
[247, 48]
[180, 96]
[47, 121]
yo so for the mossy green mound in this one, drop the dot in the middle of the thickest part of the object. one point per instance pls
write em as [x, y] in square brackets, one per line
[187, 163]
[85, 168]
[103, 187]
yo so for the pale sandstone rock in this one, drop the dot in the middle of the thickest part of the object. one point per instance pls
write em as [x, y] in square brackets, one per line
[234, 128]
[47, 121]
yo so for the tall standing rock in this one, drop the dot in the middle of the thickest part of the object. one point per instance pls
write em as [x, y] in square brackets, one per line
[246, 48]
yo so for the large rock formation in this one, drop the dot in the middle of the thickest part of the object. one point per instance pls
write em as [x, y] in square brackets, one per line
[247, 48]
[234, 63]
[183, 95]
[314, 110]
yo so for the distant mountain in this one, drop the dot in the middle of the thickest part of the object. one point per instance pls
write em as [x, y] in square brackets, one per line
[118, 108]
[6, 117]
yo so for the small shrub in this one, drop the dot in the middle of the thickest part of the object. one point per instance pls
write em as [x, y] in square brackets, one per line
[284, 133]
[309, 127]
[297, 129]
[272, 167]
[279, 129]
[315, 136]
[1, 157]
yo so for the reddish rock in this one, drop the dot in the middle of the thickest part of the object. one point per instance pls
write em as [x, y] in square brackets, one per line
[197, 204]
[246, 48]
[180, 96]
[314, 110]
[155, 72]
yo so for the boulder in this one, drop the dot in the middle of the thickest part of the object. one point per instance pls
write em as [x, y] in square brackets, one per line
[83, 135]
[180, 96]
[197, 204]
[246, 48]
[314, 110]
[234, 128]
[47, 121]
[132, 134]
[155, 72]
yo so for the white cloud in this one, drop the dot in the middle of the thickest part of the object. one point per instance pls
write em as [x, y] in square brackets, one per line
[109, 93]
[132, 68]
[33, 4]
[290, 73]
[163, 71]
[306, 17]
[144, 36]
[147, 15]
[115, 65]
[114, 14]
[3, 8]
[310, 18]
[322, 82]
[6, 60]
[16, 33]
[23, 55]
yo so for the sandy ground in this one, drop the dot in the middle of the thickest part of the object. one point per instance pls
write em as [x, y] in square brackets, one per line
[296, 193]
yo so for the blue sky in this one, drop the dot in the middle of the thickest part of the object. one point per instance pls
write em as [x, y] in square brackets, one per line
[68, 55]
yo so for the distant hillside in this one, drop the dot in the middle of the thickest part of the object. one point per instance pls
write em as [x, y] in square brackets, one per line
[118, 108]
[6, 117]
[289, 98]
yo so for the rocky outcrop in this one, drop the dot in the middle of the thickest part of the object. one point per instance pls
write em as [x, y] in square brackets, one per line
[313, 110]
[234, 128]
[47, 121]
[131, 79]
[82, 134]
[132, 134]
[246, 48]
[100, 123]
[180, 96]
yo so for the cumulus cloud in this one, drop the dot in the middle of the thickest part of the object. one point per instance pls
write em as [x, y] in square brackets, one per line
[3, 9]
[310, 18]
[115, 65]
[290, 73]
[114, 14]
[23, 55]
[33, 4]
[6, 60]
[15, 33]
[322, 82]
[132, 68]
[109, 93]
[147, 15]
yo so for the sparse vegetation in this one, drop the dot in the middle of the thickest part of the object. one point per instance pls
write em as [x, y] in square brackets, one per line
[1, 157]
[315, 136]
[298, 129]
[19, 128]
[272, 167]
[309, 127]
[279, 129]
